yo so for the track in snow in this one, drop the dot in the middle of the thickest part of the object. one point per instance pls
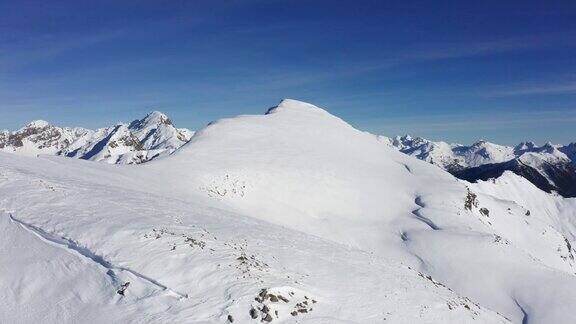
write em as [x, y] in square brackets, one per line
[69, 244]
[420, 217]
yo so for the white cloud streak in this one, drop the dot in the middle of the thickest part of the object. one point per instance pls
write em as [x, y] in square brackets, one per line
[540, 89]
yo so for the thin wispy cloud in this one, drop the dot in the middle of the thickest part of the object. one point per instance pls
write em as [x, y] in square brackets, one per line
[541, 89]
[426, 54]
[441, 51]
[19, 54]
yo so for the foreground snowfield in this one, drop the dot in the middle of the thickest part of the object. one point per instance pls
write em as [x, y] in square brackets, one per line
[333, 223]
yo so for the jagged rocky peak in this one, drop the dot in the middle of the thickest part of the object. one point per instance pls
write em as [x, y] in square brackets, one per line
[154, 118]
[549, 147]
[409, 141]
[488, 146]
[38, 124]
[37, 137]
[524, 146]
[481, 142]
[34, 127]
[137, 142]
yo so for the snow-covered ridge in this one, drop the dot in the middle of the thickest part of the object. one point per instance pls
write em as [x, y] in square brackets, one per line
[449, 156]
[140, 141]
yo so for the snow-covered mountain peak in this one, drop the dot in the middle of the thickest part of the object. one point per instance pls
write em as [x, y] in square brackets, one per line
[524, 146]
[293, 105]
[156, 131]
[158, 115]
[37, 124]
[136, 142]
[402, 138]
[549, 147]
[153, 119]
[409, 141]
[483, 151]
[484, 144]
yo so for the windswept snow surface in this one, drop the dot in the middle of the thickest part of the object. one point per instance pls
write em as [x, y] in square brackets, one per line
[296, 202]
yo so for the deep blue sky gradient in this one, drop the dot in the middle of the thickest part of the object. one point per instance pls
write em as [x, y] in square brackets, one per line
[451, 70]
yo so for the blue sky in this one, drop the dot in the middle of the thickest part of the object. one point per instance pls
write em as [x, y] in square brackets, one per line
[456, 71]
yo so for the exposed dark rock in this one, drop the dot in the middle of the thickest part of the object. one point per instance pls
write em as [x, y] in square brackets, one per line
[123, 287]
[267, 318]
[253, 313]
[470, 200]
[273, 298]
[282, 298]
[262, 293]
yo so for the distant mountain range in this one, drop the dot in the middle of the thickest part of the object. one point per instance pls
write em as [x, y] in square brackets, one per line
[549, 167]
[139, 141]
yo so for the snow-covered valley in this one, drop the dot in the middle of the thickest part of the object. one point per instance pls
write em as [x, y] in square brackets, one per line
[291, 216]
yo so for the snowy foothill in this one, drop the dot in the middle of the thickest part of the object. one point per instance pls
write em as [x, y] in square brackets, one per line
[292, 216]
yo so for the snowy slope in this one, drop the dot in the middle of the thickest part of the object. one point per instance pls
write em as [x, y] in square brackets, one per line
[553, 210]
[137, 142]
[296, 201]
[99, 227]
